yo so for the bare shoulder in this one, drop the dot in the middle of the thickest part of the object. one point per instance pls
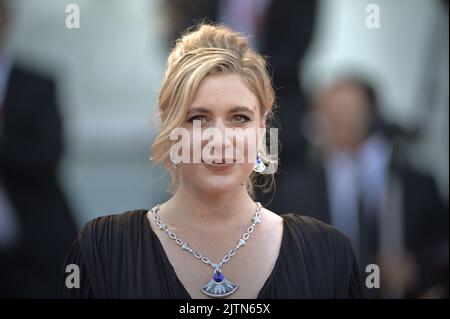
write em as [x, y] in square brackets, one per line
[270, 214]
[272, 219]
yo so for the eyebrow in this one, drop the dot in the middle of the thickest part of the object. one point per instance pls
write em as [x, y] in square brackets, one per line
[236, 109]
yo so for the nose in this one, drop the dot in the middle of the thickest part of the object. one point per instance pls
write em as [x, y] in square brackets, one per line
[218, 139]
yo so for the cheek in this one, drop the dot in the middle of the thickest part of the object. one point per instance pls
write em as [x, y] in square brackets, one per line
[246, 146]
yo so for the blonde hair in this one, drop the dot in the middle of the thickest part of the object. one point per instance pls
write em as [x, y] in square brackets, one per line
[208, 50]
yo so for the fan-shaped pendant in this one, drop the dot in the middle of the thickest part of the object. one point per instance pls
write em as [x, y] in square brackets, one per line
[219, 286]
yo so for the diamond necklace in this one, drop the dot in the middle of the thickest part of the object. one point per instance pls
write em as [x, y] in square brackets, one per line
[218, 286]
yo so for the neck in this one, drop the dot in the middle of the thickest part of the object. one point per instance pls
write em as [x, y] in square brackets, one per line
[188, 208]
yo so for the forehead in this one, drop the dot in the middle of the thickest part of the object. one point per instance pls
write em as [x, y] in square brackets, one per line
[219, 92]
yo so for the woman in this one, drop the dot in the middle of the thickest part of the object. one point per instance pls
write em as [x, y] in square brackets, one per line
[210, 239]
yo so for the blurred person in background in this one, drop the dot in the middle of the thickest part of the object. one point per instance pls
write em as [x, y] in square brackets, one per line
[36, 226]
[358, 181]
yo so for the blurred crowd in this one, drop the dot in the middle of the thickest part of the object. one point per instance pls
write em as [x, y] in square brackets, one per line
[341, 160]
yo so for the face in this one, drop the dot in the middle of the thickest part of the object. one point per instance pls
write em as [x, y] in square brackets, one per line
[344, 116]
[228, 114]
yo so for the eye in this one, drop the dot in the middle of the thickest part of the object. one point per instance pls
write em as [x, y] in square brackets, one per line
[241, 118]
[201, 118]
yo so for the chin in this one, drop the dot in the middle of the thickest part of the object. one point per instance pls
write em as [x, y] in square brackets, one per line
[219, 185]
[216, 181]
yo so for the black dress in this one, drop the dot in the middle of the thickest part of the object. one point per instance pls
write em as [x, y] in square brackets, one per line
[119, 256]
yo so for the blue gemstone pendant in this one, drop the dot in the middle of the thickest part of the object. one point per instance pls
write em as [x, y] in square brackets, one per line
[219, 286]
[259, 166]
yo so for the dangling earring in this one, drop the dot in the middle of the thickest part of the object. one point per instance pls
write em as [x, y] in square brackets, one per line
[173, 160]
[259, 165]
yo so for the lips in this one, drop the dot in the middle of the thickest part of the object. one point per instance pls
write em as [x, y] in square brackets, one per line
[219, 165]
[222, 161]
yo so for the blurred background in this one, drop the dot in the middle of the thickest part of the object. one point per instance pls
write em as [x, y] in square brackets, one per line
[362, 92]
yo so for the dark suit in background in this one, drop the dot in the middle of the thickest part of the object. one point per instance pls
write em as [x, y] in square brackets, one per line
[425, 221]
[31, 145]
